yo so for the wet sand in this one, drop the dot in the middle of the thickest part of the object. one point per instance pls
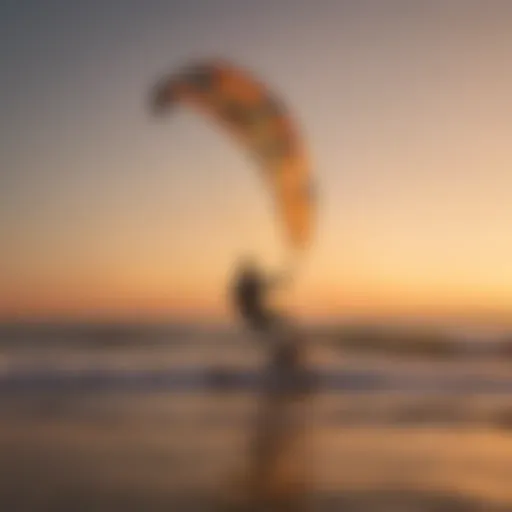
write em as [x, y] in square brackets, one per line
[155, 451]
[117, 453]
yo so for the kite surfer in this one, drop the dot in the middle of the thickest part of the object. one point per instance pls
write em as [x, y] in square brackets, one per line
[250, 292]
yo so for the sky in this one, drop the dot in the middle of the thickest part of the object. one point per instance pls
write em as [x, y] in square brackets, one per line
[405, 109]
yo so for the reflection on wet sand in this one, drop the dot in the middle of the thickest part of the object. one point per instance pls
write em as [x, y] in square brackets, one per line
[279, 463]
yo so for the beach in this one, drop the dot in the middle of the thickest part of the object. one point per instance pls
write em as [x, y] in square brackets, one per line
[157, 448]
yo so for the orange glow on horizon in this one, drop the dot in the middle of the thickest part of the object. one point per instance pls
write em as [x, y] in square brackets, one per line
[143, 300]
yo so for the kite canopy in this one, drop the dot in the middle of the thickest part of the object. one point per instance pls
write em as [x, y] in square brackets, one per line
[260, 122]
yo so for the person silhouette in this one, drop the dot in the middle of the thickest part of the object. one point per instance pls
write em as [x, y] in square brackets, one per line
[250, 292]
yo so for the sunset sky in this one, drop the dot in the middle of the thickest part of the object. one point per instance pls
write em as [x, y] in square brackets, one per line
[405, 106]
